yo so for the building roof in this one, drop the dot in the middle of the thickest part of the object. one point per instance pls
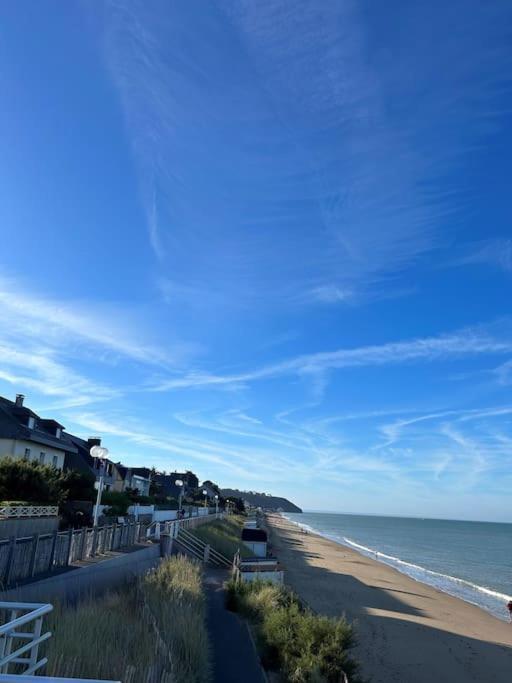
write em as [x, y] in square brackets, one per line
[14, 425]
[254, 535]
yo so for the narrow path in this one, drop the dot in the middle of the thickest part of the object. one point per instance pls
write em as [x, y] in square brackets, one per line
[234, 657]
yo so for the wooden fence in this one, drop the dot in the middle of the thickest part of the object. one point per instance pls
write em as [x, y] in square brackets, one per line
[23, 558]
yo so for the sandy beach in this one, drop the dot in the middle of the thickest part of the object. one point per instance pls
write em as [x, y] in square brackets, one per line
[407, 631]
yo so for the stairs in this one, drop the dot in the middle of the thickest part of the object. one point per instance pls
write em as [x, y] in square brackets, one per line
[197, 548]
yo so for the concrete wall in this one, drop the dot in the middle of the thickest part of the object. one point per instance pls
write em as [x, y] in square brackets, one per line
[16, 449]
[275, 577]
[165, 515]
[80, 581]
[28, 526]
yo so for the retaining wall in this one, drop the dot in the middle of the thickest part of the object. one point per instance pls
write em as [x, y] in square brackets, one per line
[27, 526]
[80, 581]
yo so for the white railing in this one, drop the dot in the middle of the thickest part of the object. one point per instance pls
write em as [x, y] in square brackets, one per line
[25, 623]
[13, 511]
[30, 617]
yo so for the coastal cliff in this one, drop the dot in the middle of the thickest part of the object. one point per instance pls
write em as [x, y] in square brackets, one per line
[262, 500]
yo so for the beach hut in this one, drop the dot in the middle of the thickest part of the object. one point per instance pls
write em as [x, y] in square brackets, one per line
[255, 540]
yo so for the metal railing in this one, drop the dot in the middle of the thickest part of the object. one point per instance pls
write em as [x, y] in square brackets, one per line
[20, 648]
[24, 558]
[20, 637]
[172, 527]
[203, 551]
[16, 511]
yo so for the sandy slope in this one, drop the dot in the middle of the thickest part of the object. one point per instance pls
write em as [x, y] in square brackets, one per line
[407, 631]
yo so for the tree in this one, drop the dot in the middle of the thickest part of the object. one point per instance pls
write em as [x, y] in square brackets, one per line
[21, 480]
[77, 486]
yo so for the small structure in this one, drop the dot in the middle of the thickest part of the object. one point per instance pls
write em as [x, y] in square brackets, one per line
[257, 569]
[256, 540]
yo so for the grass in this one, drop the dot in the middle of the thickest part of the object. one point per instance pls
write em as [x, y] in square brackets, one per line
[224, 535]
[150, 631]
[302, 646]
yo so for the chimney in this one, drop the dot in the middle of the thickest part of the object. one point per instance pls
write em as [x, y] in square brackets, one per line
[19, 400]
[93, 441]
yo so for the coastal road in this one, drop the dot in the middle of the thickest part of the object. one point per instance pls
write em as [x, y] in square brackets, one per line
[407, 632]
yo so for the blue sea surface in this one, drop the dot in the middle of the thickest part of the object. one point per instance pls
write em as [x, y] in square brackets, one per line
[469, 560]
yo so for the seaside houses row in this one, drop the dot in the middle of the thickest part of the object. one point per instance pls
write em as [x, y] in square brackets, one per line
[26, 435]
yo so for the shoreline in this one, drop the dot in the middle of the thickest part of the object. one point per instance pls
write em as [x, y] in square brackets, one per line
[396, 563]
[407, 630]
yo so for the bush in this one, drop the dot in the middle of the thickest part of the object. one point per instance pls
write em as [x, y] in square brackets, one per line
[29, 481]
[118, 502]
[302, 646]
[77, 486]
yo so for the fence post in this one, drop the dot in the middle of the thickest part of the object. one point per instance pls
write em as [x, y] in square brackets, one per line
[83, 543]
[206, 557]
[94, 541]
[33, 555]
[70, 546]
[113, 539]
[10, 560]
[53, 550]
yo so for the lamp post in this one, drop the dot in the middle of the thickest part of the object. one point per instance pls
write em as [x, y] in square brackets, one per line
[179, 484]
[205, 494]
[216, 504]
[100, 454]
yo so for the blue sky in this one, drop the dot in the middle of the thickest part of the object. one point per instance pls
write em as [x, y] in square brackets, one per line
[270, 242]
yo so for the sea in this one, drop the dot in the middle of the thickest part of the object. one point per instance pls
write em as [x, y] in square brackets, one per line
[469, 560]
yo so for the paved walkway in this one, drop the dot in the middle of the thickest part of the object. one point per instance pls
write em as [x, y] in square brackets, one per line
[234, 657]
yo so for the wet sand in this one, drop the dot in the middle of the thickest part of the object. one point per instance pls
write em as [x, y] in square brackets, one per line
[407, 631]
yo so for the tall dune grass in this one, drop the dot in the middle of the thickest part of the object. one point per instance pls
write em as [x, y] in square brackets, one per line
[302, 646]
[150, 631]
[224, 535]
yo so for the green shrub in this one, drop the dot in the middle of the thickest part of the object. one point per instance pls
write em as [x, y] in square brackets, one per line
[32, 482]
[118, 502]
[302, 646]
[29, 481]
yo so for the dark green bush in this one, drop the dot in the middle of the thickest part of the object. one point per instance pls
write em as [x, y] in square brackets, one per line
[29, 481]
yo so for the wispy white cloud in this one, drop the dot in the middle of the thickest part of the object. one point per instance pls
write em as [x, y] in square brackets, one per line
[293, 172]
[491, 252]
[38, 371]
[58, 323]
[463, 343]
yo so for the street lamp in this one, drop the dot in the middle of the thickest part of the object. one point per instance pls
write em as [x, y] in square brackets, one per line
[100, 454]
[205, 494]
[216, 504]
[179, 484]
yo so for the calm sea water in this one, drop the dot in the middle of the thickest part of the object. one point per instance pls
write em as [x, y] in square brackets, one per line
[470, 560]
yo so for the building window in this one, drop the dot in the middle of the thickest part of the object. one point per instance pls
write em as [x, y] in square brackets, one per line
[27, 454]
[55, 461]
[31, 422]
[41, 457]
[58, 432]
